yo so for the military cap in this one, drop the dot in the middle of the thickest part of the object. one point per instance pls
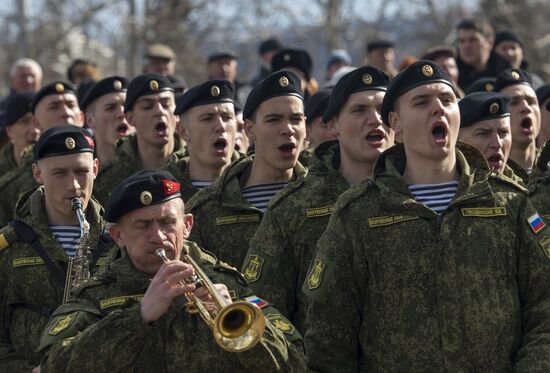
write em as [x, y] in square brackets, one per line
[62, 140]
[366, 78]
[160, 51]
[482, 85]
[279, 83]
[338, 55]
[512, 77]
[377, 44]
[480, 106]
[543, 92]
[507, 35]
[17, 105]
[317, 104]
[142, 189]
[146, 84]
[209, 92]
[297, 58]
[269, 45]
[439, 51]
[221, 55]
[112, 84]
[419, 73]
[54, 88]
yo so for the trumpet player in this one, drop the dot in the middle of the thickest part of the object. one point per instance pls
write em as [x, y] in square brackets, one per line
[36, 246]
[136, 316]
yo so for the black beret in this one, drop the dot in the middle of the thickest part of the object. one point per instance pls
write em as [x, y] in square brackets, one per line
[54, 88]
[17, 105]
[482, 85]
[506, 36]
[366, 78]
[297, 58]
[317, 104]
[209, 92]
[480, 106]
[543, 92]
[221, 55]
[112, 84]
[142, 189]
[512, 77]
[419, 73]
[377, 44]
[62, 140]
[269, 45]
[279, 83]
[146, 84]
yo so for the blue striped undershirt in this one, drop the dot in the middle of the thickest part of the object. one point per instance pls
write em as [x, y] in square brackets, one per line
[67, 236]
[200, 185]
[260, 195]
[435, 196]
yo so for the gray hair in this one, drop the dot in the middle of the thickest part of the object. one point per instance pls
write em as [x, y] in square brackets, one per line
[26, 62]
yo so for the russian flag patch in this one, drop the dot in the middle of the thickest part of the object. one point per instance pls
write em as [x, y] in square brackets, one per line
[535, 222]
[257, 301]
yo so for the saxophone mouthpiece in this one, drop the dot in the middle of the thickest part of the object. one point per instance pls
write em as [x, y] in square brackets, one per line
[76, 203]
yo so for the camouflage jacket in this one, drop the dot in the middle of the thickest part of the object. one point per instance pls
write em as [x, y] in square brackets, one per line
[282, 247]
[126, 164]
[105, 315]
[178, 166]
[7, 161]
[539, 183]
[396, 287]
[13, 184]
[30, 291]
[224, 221]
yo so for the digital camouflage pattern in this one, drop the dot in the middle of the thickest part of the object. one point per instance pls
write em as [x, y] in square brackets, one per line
[105, 318]
[285, 241]
[224, 221]
[396, 287]
[516, 172]
[26, 281]
[178, 166]
[14, 183]
[539, 183]
[126, 163]
[7, 160]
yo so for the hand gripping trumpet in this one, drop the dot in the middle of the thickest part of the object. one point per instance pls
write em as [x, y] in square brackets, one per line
[78, 268]
[236, 326]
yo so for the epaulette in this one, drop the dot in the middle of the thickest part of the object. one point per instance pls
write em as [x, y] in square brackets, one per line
[353, 193]
[289, 189]
[508, 181]
[7, 237]
[226, 268]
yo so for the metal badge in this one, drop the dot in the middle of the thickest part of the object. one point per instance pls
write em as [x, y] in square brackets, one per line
[515, 75]
[493, 109]
[283, 81]
[117, 84]
[70, 143]
[367, 79]
[154, 85]
[215, 91]
[286, 57]
[427, 70]
[146, 198]
[489, 87]
[59, 88]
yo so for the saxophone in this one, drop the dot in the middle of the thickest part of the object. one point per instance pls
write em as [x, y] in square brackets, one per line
[78, 269]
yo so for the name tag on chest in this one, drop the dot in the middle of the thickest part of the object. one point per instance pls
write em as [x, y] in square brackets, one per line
[483, 212]
[236, 219]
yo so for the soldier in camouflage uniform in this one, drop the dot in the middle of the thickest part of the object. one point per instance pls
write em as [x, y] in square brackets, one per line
[54, 104]
[32, 260]
[539, 182]
[208, 126]
[137, 302]
[283, 246]
[397, 286]
[228, 212]
[149, 108]
[20, 130]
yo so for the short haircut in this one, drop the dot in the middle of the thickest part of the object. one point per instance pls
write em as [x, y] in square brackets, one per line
[480, 25]
[26, 62]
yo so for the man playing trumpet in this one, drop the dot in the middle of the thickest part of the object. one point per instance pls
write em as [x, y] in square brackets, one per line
[36, 246]
[134, 317]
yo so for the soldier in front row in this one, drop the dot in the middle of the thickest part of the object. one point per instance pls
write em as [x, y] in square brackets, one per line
[284, 244]
[208, 126]
[434, 263]
[229, 211]
[36, 246]
[133, 316]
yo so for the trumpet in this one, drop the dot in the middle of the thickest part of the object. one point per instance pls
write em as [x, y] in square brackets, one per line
[236, 326]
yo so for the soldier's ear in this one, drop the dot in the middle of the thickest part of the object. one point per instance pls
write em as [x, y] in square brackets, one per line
[395, 122]
[37, 173]
[188, 223]
[333, 125]
[116, 234]
[130, 118]
[249, 129]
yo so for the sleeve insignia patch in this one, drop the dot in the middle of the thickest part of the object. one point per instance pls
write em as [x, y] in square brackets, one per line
[316, 275]
[536, 223]
[545, 245]
[280, 323]
[3, 242]
[253, 267]
[61, 323]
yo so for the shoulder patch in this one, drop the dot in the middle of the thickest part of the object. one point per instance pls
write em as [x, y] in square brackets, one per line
[315, 212]
[382, 221]
[536, 223]
[483, 212]
[545, 245]
[316, 275]
[252, 268]
[61, 323]
[7, 237]
[281, 323]
[235, 219]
